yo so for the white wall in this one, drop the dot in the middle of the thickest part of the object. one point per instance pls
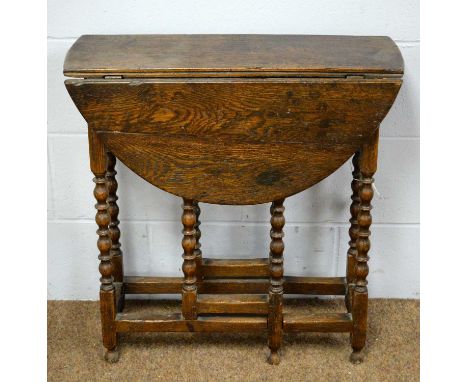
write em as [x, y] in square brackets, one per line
[316, 231]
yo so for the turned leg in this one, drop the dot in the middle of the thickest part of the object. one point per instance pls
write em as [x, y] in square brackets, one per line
[197, 251]
[368, 165]
[114, 231]
[189, 241]
[353, 231]
[104, 244]
[275, 294]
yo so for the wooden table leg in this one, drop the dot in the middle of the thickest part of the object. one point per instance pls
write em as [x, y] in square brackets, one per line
[189, 267]
[104, 243]
[114, 231]
[198, 251]
[353, 231]
[275, 295]
[368, 165]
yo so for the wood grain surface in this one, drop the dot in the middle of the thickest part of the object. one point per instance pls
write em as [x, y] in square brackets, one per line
[230, 55]
[232, 304]
[291, 285]
[135, 322]
[240, 141]
[230, 268]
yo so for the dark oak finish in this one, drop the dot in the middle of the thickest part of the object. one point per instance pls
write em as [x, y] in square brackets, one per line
[232, 304]
[314, 285]
[368, 166]
[275, 292]
[104, 244]
[152, 285]
[114, 230]
[291, 285]
[174, 133]
[113, 210]
[119, 296]
[128, 322]
[233, 119]
[234, 286]
[189, 288]
[230, 55]
[353, 230]
[325, 322]
[197, 251]
[247, 268]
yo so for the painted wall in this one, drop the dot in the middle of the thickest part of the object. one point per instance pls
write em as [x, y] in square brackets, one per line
[317, 219]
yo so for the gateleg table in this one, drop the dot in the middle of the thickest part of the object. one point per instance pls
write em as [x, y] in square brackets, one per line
[233, 120]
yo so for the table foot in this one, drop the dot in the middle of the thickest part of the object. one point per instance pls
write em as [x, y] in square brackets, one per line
[111, 356]
[274, 357]
[356, 357]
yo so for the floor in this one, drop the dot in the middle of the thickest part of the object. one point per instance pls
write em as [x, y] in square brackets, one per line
[75, 352]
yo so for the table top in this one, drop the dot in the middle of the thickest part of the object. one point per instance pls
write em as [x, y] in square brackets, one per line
[208, 118]
[232, 56]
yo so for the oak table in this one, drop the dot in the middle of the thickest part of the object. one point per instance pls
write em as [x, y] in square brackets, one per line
[233, 119]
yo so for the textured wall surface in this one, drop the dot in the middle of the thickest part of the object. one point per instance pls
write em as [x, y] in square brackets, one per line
[317, 219]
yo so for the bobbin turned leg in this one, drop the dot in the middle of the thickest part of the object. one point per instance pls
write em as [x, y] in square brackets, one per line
[189, 267]
[197, 251]
[107, 292]
[353, 231]
[114, 231]
[368, 166]
[275, 294]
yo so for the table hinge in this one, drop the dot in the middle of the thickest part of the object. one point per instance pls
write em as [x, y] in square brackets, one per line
[112, 77]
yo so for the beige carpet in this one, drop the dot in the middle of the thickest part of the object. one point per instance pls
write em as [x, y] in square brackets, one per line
[75, 351]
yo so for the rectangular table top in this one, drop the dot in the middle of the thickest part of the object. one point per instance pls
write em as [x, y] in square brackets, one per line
[231, 56]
